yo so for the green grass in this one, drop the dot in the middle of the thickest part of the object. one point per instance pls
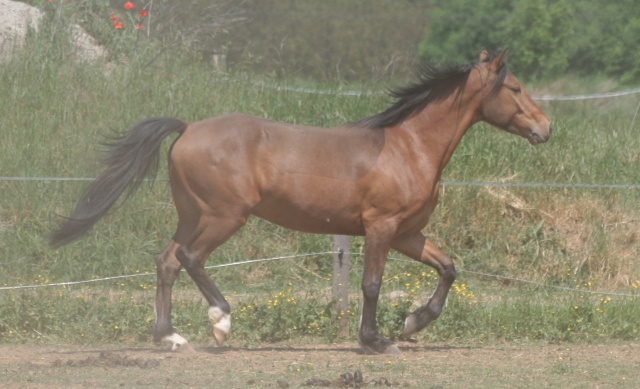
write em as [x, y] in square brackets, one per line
[476, 312]
[54, 112]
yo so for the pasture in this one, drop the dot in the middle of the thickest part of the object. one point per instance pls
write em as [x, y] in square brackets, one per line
[571, 242]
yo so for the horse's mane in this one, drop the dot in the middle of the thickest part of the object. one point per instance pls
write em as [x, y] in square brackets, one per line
[435, 83]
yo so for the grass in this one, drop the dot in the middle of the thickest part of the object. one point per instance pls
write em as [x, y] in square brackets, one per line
[55, 112]
[476, 312]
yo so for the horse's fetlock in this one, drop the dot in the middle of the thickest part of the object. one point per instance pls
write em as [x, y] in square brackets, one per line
[449, 273]
[161, 330]
[433, 312]
[217, 313]
[221, 322]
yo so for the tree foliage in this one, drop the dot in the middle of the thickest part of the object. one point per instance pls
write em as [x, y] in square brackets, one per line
[547, 38]
[458, 29]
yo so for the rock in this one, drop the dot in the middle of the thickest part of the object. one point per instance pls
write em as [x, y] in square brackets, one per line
[15, 20]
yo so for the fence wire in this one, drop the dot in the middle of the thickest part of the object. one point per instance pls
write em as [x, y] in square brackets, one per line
[474, 273]
[548, 185]
[340, 92]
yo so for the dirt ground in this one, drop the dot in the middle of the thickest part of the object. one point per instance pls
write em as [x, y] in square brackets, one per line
[309, 365]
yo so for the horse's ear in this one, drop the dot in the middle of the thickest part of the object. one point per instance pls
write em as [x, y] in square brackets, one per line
[498, 62]
[484, 55]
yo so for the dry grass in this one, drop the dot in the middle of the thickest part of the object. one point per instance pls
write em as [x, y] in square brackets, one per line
[595, 237]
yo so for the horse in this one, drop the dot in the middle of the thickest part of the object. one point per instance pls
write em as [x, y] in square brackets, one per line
[226, 168]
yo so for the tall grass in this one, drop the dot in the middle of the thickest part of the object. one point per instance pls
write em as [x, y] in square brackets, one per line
[54, 112]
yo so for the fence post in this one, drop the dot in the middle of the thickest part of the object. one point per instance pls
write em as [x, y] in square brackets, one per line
[340, 288]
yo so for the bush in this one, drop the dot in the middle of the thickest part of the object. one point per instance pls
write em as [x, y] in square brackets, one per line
[547, 37]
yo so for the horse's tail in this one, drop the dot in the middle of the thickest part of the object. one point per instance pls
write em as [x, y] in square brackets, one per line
[129, 159]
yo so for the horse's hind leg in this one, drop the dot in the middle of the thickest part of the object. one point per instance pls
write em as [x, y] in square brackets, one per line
[167, 268]
[419, 248]
[211, 232]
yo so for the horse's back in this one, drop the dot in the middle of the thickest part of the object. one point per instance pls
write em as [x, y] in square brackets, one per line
[302, 177]
[255, 143]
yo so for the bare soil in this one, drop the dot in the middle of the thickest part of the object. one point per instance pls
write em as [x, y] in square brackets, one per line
[532, 365]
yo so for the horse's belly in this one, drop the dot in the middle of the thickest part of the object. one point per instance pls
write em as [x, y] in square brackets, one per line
[313, 219]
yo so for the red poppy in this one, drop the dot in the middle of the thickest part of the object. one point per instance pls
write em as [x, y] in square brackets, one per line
[129, 5]
[143, 13]
[118, 25]
[138, 27]
[113, 17]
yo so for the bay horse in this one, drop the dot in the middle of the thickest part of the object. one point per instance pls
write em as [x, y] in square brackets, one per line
[226, 168]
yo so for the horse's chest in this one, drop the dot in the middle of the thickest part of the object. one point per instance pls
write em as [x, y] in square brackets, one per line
[418, 215]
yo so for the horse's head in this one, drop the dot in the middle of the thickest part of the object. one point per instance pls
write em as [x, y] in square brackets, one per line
[506, 104]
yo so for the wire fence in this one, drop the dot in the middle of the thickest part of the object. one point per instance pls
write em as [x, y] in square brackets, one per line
[547, 185]
[145, 274]
[359, 93]
[294, 256]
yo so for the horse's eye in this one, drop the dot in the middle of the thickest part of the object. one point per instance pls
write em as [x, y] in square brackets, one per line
[516, 90]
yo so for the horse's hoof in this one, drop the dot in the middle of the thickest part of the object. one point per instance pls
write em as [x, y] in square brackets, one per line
[392, 349]
[379, 346]
[178, 344]
[221, 322]
[184, 348]
[219, 336]
[410, 327]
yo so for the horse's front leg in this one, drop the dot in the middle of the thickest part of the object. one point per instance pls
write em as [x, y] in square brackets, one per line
[168, 269]
[376, 249]
[419, 248]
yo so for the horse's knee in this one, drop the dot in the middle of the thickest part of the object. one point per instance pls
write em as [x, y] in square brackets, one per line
[166, 268]
[371, 289]
[167, 273]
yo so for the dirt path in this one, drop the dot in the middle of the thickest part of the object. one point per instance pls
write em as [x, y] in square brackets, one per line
[294, 366]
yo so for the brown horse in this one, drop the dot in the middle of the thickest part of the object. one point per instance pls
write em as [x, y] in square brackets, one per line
[224, 169]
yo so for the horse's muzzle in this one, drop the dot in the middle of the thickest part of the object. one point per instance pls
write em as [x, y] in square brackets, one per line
[540, 134]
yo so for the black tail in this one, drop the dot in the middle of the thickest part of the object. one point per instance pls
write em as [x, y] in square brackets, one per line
[129, 160]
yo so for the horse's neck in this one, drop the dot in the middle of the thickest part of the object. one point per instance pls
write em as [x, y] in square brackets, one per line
[438, 129]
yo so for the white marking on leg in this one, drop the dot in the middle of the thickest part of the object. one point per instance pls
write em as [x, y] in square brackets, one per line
[176, 341]
[221, 324]
[409, 326]
[220, 319]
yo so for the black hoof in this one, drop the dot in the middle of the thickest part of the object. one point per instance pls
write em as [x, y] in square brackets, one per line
[417, 321]
[379, 345]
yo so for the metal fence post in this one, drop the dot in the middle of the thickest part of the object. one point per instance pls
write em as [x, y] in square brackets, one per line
[340, 287]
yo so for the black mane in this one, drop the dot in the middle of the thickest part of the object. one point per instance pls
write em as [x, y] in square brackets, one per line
[434, 83]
